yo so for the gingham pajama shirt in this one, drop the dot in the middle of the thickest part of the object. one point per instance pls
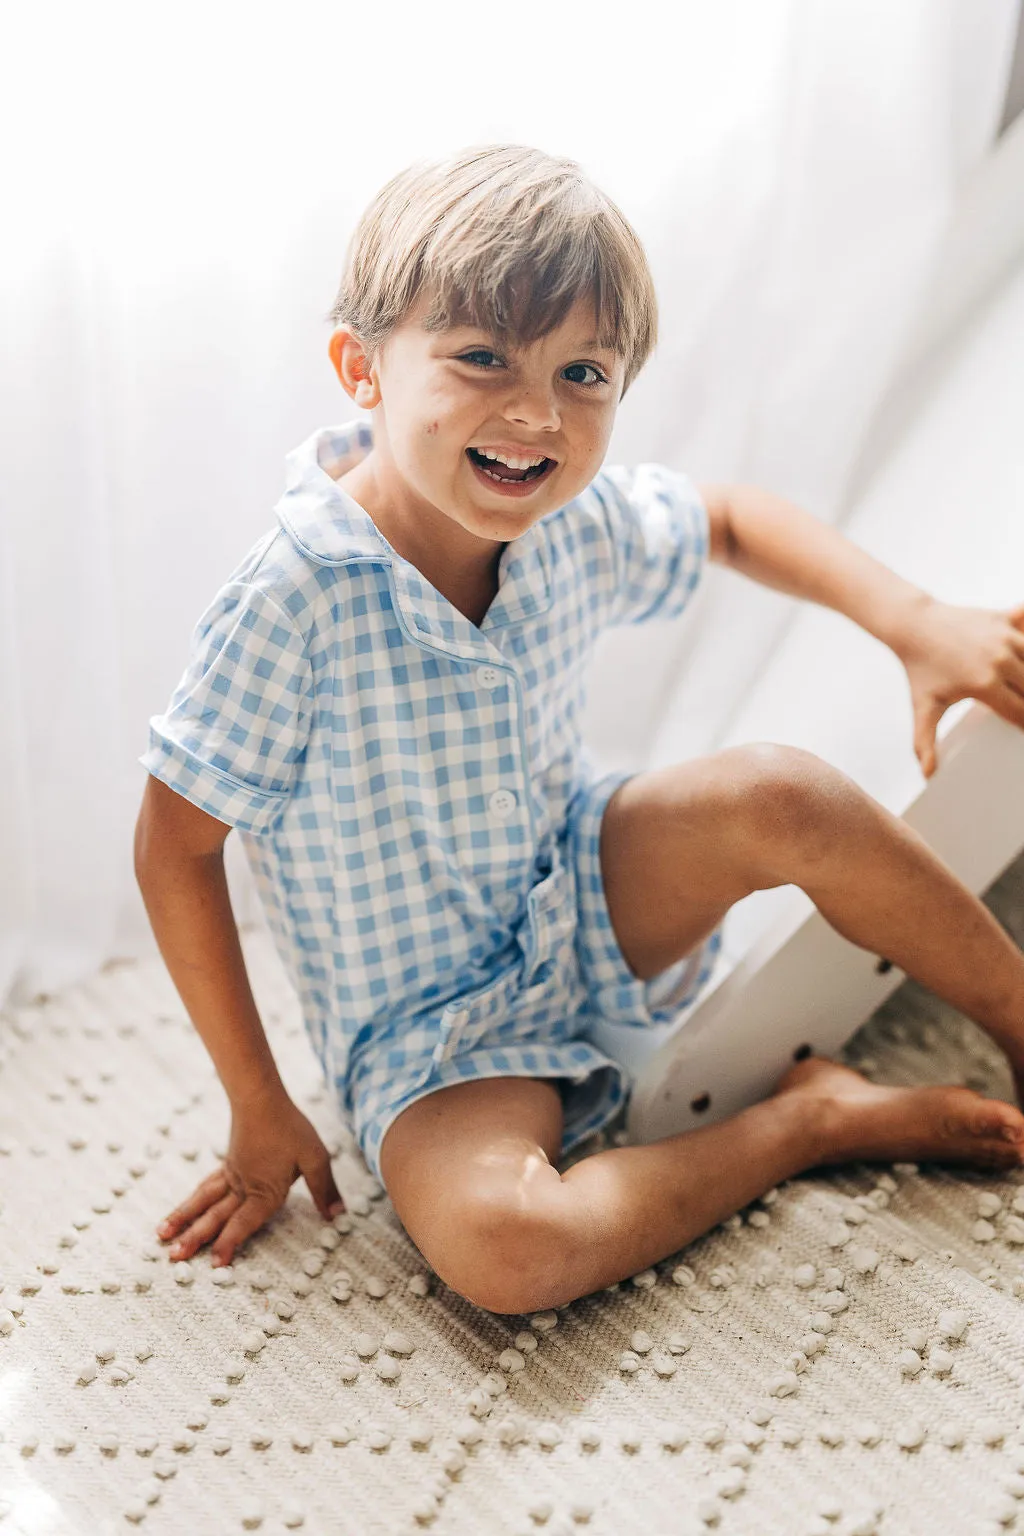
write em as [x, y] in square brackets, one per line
[416, 805]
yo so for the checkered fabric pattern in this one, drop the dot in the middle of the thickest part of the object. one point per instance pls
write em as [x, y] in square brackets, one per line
[412, 793]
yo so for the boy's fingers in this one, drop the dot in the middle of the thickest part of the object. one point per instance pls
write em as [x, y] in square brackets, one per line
[926, 723]
[320, 1181]
[212, 1188]
[204, 1227]
[1009, 704]
[248, 1219]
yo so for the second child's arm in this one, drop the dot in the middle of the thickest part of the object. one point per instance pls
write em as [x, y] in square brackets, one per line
[179, 865]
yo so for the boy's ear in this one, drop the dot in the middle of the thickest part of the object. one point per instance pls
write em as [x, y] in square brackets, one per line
[350, 364]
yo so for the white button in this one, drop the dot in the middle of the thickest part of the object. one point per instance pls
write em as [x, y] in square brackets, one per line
[502, 802]
[488, 677]
[457, 1016]
[506, 901]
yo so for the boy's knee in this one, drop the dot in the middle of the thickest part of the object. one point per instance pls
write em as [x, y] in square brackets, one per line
[503, 1253]
[793, 806]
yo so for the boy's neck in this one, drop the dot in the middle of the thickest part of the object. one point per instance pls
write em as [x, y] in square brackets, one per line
[464, 571]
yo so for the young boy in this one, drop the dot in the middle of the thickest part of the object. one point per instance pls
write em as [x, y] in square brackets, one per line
[384, 700]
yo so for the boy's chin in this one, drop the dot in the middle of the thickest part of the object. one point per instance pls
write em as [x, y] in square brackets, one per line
[494, 525]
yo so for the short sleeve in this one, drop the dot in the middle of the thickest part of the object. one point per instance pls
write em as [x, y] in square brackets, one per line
[660, 532]
[238, 721]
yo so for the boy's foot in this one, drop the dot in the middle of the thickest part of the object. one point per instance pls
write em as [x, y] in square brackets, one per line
[867, 1121]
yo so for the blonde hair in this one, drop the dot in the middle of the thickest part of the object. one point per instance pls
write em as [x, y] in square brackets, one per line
[506, 238]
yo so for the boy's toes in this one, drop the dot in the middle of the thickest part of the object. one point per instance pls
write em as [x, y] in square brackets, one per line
[989, 1118]
[1002, 1127]
[1009, 1124]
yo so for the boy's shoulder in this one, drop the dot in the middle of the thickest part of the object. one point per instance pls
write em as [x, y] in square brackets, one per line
[637, 490]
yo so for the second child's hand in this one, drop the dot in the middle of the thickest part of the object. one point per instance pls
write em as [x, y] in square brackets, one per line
[272, 1144]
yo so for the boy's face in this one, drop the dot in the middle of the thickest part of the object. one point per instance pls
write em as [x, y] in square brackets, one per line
[435, 395]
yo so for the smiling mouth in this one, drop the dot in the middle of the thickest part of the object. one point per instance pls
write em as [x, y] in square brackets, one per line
[508, 476]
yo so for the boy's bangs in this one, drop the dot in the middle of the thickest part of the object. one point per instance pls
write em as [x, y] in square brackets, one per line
[522, 306]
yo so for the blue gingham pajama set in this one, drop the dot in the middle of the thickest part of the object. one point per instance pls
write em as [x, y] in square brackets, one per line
[414, 800]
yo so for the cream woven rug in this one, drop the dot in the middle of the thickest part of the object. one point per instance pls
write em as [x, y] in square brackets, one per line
[845, 1356]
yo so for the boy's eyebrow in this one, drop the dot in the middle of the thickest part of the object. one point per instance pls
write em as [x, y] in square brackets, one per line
[593, 343]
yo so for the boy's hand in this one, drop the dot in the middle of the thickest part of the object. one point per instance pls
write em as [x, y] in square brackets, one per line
[953, 653]
[271, 1144]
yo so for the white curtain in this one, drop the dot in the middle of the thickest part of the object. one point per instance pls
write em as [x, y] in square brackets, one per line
[180, 189]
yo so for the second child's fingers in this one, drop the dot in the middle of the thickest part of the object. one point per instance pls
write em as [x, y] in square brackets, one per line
[212, 1188]
[205, 1227]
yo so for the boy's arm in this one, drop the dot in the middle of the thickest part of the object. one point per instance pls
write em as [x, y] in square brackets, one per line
[179, 866]
[778, 544]
[949, 652]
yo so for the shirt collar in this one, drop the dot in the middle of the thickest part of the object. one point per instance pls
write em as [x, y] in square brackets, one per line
[329, 527]
[321, 519]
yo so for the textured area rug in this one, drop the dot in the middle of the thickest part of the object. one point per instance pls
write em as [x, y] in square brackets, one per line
[844, 1356]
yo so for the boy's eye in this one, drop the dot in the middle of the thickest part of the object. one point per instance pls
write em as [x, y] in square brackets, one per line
[467, 357]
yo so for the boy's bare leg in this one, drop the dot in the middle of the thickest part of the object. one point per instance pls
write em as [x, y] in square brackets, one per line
[469, 1170]
[679, 846]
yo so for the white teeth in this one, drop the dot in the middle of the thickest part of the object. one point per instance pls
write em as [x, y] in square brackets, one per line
[488, 453]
